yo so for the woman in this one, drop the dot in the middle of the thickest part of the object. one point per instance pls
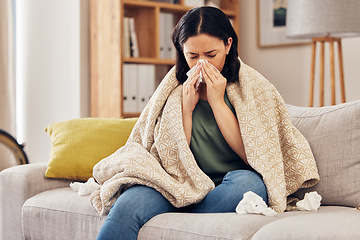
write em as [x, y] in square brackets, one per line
[202, 33]
[207, 43]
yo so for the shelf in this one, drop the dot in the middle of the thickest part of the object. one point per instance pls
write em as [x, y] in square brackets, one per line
[154, 4]
[146, 60]
[107, 46]
[169, 7]
[130, 115]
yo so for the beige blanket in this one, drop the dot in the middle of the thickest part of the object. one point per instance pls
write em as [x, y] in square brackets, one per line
[157, 154]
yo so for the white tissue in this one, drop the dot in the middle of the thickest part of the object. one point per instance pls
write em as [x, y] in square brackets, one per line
[311, 202]
[85, 188]
[75, 186]
[201, 78]
[253, 203]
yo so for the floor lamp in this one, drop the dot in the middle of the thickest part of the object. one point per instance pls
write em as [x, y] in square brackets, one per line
[324, 21]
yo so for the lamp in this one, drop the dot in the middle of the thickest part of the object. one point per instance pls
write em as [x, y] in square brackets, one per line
[325, 21]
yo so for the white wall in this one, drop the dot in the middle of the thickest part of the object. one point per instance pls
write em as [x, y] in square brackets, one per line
[52, 66]
[288, 68]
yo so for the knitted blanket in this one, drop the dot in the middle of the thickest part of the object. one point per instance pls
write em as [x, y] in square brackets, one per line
[157, 154]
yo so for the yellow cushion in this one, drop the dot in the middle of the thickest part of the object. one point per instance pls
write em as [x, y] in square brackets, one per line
[78, 144]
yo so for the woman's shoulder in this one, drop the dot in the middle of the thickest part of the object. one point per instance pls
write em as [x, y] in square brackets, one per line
[253, 79]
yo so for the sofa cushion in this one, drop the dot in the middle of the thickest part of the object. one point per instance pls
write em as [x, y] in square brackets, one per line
[333, 133]
[202, 226]
[75, 218]
[287, 225]
[60, 214]
[78, 144]
[330, 222]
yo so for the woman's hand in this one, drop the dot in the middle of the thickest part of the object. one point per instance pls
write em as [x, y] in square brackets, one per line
[190, 99]
[215, 84]
[190, 95]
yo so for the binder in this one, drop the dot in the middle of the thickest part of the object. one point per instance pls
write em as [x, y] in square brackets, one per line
[194, 3]
[169, 28]
[146, 84]
[167, 50]
[130, 86]
[163, 35]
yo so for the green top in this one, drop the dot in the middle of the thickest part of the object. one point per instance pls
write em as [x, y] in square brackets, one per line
[212, 153]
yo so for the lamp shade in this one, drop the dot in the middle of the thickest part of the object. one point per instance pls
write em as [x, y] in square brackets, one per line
[322, 18]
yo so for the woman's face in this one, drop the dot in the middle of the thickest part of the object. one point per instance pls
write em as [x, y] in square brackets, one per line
[204, 46]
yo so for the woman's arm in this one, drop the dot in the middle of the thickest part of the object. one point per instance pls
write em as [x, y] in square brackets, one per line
[229, 127]
[190, 99]
[224, 117]
[187, 122]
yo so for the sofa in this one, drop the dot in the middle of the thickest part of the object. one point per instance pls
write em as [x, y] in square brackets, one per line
[34, 206]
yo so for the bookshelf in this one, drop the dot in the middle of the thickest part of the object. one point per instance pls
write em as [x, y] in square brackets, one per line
[107, 59]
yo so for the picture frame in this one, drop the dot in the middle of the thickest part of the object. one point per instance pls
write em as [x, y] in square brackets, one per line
[271, 17]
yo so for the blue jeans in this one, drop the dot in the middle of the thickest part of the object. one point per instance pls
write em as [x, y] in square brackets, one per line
[139, 204]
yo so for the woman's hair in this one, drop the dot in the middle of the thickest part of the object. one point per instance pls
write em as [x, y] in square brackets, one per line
[211, 21]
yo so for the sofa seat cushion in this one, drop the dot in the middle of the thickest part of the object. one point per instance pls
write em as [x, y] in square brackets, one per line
[287, 225]
[60, 214]
[186, 226]
[330, 222]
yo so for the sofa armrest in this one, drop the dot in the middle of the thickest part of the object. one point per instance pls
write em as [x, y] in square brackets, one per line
[17, 184]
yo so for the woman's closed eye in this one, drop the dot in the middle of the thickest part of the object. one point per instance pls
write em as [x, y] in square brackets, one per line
[209, 56]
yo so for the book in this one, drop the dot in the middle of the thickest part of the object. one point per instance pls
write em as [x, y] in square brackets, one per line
[126, 38]
[133, 38]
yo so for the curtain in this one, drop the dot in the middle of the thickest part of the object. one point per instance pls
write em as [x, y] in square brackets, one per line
[7, 79]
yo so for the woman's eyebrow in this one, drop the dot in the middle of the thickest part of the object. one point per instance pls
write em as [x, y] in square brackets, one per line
[211, 51]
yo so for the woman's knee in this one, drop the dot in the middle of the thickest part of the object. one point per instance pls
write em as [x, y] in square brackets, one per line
[247, 180]
[237, 176]
[128, 206]
[140, 204]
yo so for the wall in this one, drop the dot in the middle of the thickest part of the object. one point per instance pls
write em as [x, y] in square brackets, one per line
[288, 68]
[52, 66]
[52, 63]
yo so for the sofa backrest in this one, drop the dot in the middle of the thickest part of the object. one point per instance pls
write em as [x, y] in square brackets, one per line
[333, 133]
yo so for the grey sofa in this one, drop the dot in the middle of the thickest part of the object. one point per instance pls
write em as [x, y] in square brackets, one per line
[34, 207]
